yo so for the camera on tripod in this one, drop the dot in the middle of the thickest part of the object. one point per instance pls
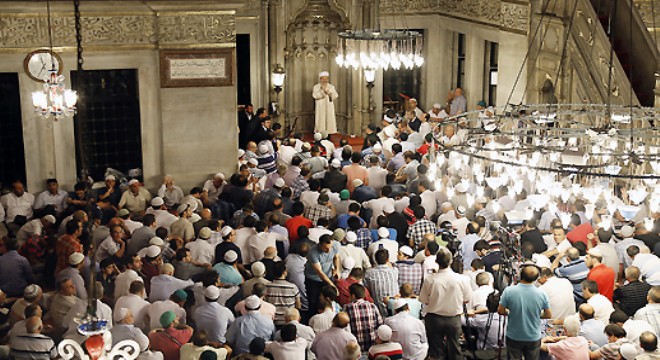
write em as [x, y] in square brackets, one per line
[449, 236]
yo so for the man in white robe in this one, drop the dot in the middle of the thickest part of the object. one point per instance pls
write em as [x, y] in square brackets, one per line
[325, 94]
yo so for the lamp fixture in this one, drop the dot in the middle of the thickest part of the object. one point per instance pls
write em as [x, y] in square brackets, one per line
[376, 49]
[54, 99]
[277, 77]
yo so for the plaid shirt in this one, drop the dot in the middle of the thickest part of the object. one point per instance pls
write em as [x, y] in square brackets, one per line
[66, 245]
[382, 281]
[420, 228]
[318, 211]
[411, 273]
[365, 319]
[299, 185]
[364, 238]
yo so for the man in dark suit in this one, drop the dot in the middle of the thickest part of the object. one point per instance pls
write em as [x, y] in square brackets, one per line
[261, 123]
[244, 118]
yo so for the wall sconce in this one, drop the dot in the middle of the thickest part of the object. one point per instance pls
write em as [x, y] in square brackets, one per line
[370, 77]
[277, 77]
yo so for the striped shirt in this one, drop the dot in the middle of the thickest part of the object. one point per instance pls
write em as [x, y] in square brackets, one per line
[283, 295]
[576, 271]
[364, 320]
[632, 296]
[33, 347]
[382, 281]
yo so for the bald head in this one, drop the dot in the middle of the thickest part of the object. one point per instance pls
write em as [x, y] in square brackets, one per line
[270, 252]
[654, 295]
[529, 274]
[573, 254]
[341, 320]
[33, 325]
[586, 311]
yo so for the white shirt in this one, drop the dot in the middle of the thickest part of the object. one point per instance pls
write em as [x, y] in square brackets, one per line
[358, 254]
[159, 307]
[286, 154]
[410, 333]
[479, 296]
[31, 228]
[290, 350]
[621, 248]
[461, 226]
[201, 251]
[17, 205]
[401, 204]
[648, 264]
[467, 248]
[323, 321]
[377, 177]
[391, 246]
[377, 206]
[58, 201]
[316, 232]
[132, 225]
[560, 295]
[241, 240]
[309, 198]
[429, 266]
[138, 306]
[164, 218]
[123, 282]
[107, 248]
[190, 351]
[213, 192]
[162, 286]
[258, 243]
[444, 293]
[602, 308]
[214, 319]
[428, 202]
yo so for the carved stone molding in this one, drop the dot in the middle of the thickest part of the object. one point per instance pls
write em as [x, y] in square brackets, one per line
[510, 16]
[165, 29]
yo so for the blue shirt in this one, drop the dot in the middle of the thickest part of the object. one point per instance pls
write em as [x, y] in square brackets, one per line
[228, 274]
[576, 271]
[393, 234]
[247, 327]
[316, 256]
[525, 303]
[342, 221]
[15, 273]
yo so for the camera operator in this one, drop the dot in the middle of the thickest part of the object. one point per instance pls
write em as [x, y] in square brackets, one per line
[467, 244]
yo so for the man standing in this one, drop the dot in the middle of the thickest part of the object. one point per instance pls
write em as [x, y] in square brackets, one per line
[324, 93]
[525, 305]
[322, 266]
[444, 294]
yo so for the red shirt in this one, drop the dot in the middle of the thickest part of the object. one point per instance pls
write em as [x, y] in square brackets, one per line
[425, 148]
[66, 245]
[604, 277]
[344, 295]
[160, 341]
[294, 223]
[580, 233]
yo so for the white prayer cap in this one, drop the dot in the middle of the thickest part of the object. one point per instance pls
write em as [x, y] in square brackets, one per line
[205, 233]
[110, 177]
[378, 147]
[324, 73]
[182, 208]
[399, 303]
[76, 258]
[258, 268]
[241, 152]
[49, 218]
[406, 250]
[133, 182]
[157, 201]
[348, 263]
[252, 302]
[335, 163]
[219, 175]
[156, 241]
[263, 148]
[461, 210]
[231, 256]
[627, 231]
[351, 236]
[413, 100]
[225, 231]
[279, 183]
[383, 233]
[153, 251]
[481, 200]
[388, 119]
[253, 161]
[212, 292]
[120, 314]
[628, 351]
[437, 106]
[357, 183]
[461, 188]
[384, 332]
[318, 136]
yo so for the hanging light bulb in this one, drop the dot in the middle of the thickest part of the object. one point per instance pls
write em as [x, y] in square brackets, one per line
[589, 211]
[606, 222]
[496, 206]
[648, 224]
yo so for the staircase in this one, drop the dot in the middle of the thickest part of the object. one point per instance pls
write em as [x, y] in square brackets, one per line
[633, 45]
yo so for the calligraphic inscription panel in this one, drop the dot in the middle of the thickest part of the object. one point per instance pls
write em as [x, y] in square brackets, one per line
[197, 68]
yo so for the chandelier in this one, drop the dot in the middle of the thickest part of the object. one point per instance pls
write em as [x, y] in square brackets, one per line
[556, 154]
[380, 49]
[54, 99]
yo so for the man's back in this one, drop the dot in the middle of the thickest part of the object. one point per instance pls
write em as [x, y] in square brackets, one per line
[525, 303]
